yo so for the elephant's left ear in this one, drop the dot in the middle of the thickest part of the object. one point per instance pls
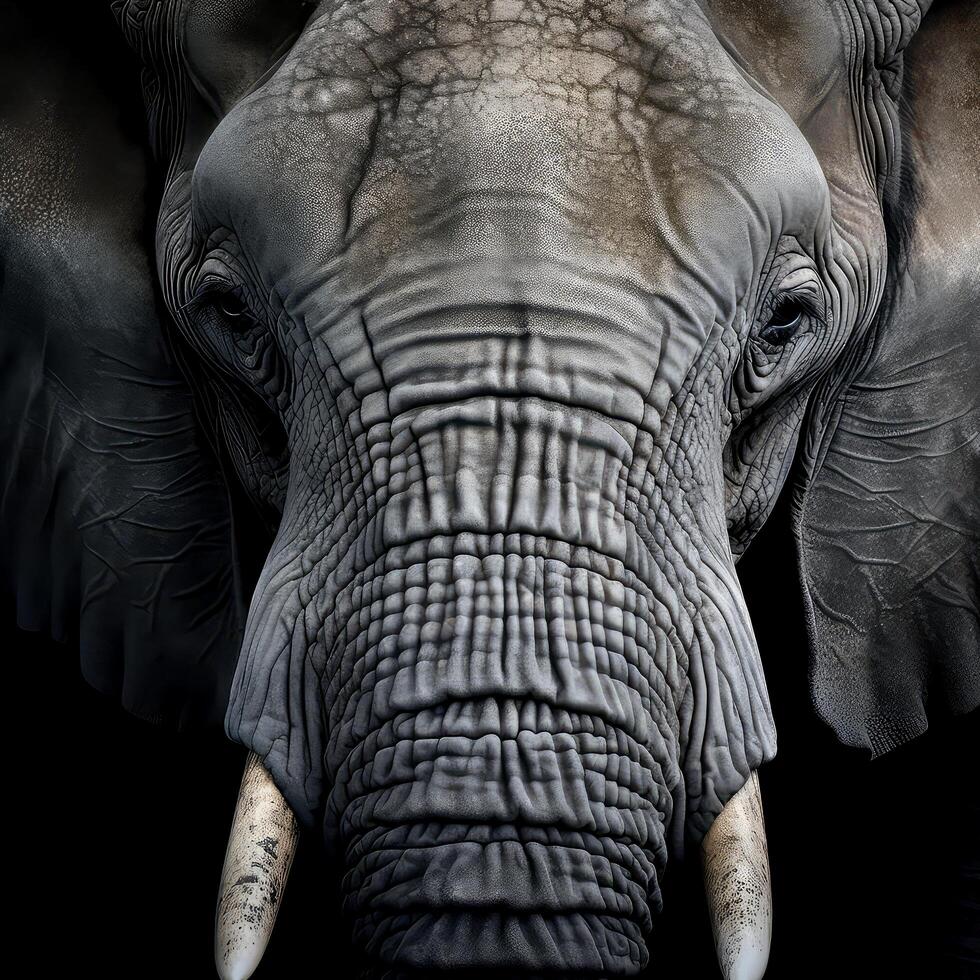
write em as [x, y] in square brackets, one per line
[114, 516]
[888, 517]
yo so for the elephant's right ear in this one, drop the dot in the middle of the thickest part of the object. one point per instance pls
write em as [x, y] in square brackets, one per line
[888, 523]
[114, 516]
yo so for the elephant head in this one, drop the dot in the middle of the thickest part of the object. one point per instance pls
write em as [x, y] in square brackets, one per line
[407, 395]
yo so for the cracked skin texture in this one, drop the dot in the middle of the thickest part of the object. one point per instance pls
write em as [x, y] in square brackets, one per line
[471, 296]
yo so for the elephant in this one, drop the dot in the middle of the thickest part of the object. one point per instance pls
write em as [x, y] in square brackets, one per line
[404, 394]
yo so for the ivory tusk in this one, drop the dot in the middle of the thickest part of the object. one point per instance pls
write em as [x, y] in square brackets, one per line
[736, 880]
[260, 852]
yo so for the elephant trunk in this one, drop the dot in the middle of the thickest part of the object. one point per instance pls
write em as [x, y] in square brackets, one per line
[506, 801]
[515, 819]
[263, 839]
[505, 680]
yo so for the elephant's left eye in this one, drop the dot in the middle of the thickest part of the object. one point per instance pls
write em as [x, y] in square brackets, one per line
[786, 320]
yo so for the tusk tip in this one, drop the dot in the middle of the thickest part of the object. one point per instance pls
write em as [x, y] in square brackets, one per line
[751, 960]
[239, 964]
[750, 963]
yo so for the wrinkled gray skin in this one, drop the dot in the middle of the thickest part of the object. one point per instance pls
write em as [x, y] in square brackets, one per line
[498, 648]
[485, 299]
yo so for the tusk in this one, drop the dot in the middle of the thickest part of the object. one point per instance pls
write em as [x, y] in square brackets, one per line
[260, 851]
[736, 882]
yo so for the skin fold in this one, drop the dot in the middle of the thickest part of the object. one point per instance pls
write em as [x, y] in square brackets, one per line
[484, 337]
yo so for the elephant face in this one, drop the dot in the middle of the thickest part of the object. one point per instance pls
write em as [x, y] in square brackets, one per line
[504, 325]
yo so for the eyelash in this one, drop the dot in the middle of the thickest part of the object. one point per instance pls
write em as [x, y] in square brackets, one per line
[230, 331]
[784, 322]
[227, 302]
[230, 305]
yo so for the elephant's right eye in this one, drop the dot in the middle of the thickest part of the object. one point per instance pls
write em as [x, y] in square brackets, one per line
[222, 320]
[234, 310]
[231, 306]
[221, 305]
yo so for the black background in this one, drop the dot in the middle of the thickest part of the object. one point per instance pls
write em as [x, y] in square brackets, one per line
[119, 830]
[116, 830]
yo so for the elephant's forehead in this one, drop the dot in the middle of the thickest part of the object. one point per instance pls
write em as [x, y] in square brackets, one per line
[541, 130]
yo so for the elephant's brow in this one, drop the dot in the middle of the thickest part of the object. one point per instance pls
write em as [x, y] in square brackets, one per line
[646, 39]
